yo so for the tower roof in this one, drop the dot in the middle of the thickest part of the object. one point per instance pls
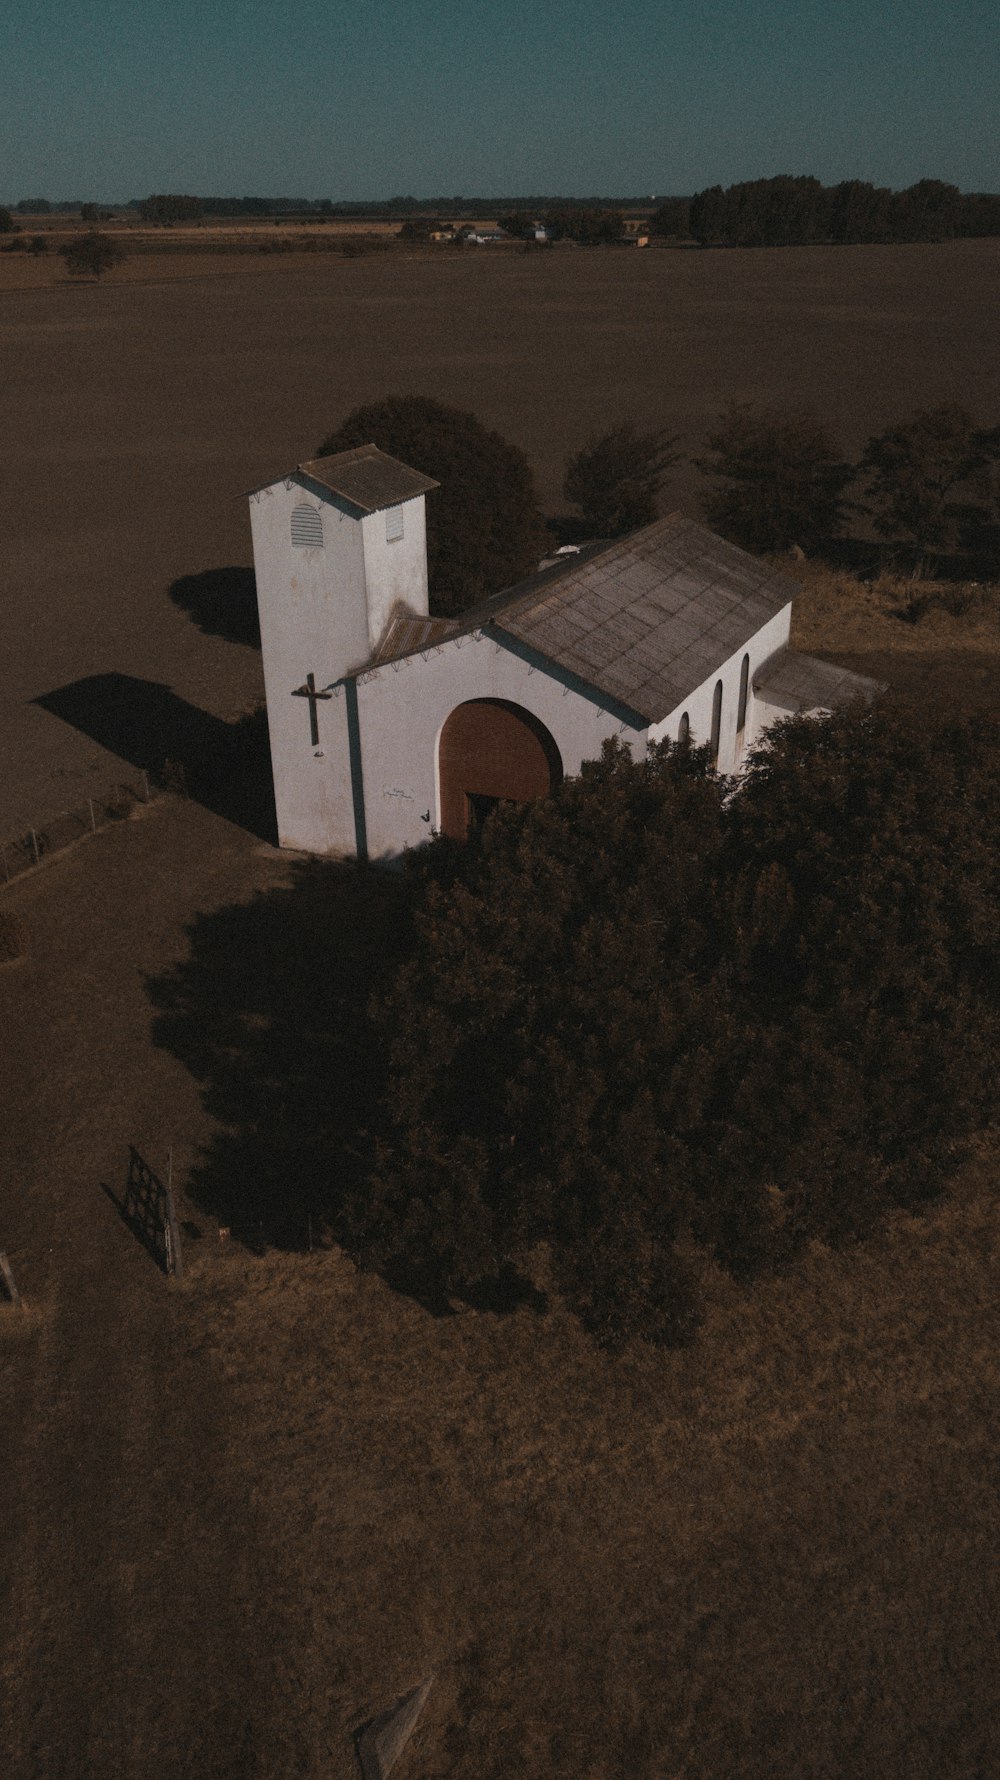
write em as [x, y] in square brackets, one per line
[367, 477]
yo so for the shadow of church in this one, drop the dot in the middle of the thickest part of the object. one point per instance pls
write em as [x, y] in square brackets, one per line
[225, 766]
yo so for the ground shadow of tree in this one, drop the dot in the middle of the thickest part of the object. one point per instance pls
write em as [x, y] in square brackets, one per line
[222, 603]
[271, 1013]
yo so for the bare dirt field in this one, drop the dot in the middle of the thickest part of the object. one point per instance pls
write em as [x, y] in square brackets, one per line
[135, 413]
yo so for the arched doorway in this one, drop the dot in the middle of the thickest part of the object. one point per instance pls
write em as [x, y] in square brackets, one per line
[491, 752]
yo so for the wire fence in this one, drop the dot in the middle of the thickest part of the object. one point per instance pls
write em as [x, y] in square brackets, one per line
[28, 849]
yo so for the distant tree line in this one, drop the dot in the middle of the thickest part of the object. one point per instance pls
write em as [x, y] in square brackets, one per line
[784, 211]
[788, 211]
[590, 226]
[777, 212]
[170, 207]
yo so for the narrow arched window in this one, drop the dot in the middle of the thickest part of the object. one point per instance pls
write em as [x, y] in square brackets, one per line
[307, 528]
[716, 721]
[684, 731]
[741, 709]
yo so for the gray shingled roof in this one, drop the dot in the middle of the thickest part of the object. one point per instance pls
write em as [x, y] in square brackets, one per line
[368, 478]
[645, 619]
[650, 617]
[808, 684]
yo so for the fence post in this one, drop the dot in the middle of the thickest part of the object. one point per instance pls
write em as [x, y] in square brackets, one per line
[93, 823]
[171, 1234]
[34, 845]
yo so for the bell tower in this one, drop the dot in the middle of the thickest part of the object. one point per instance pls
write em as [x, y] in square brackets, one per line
[339, 544]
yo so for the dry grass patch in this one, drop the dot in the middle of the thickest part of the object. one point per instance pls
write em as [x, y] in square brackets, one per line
[936, 640]
[764, 1555]
[837, 611]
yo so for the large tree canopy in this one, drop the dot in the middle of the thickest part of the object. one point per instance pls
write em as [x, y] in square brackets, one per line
[615, 479]
[484, 528]
[777, 478]
[643, 1013]
[918, 472]
[93, 254]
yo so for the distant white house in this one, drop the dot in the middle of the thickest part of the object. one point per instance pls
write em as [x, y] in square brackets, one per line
[388, 725]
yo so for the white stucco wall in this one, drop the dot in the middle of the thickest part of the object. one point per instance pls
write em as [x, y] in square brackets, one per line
[395, 573]
[402, 710]
[760, 647]
[372, 779]
[322, 611]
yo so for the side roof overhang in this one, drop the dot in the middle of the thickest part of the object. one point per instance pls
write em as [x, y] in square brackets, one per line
[804, 683]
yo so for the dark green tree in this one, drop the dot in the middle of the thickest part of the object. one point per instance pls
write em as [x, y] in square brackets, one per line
[978, 213]
[484, 528]
[92, 255]
[419, 228]
[588, 227]
[922, 478]
[517, 224]
[777, 479]
[533, 1049]
[7, 223]
[859, 211]
[708, 219]
[641, 1015]
[862, 890]
[169, 207]
[615, 479]
[927, 211]
[786, 210]
[672, 219]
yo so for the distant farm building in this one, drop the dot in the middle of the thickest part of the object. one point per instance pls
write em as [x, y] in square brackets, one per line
[387, 724]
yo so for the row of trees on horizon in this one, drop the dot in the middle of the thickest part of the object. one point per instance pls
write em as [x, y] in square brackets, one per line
[782, 211]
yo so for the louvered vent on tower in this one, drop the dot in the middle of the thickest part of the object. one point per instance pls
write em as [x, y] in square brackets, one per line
[307, 528]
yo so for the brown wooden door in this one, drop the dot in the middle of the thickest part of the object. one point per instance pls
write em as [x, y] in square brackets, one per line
[492, 752]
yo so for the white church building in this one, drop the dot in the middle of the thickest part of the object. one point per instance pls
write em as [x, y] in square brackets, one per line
[388, 725]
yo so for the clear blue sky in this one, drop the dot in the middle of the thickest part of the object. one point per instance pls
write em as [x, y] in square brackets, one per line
[324, 98]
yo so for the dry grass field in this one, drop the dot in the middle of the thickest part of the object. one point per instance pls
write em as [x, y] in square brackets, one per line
[242, 1512]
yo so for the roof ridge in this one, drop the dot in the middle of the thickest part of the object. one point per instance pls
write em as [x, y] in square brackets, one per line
[350, 455]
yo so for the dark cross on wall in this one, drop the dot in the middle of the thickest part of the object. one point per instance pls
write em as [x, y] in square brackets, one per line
[309, 691]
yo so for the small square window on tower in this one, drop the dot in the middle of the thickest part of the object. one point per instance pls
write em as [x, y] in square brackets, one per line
[393, 524]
